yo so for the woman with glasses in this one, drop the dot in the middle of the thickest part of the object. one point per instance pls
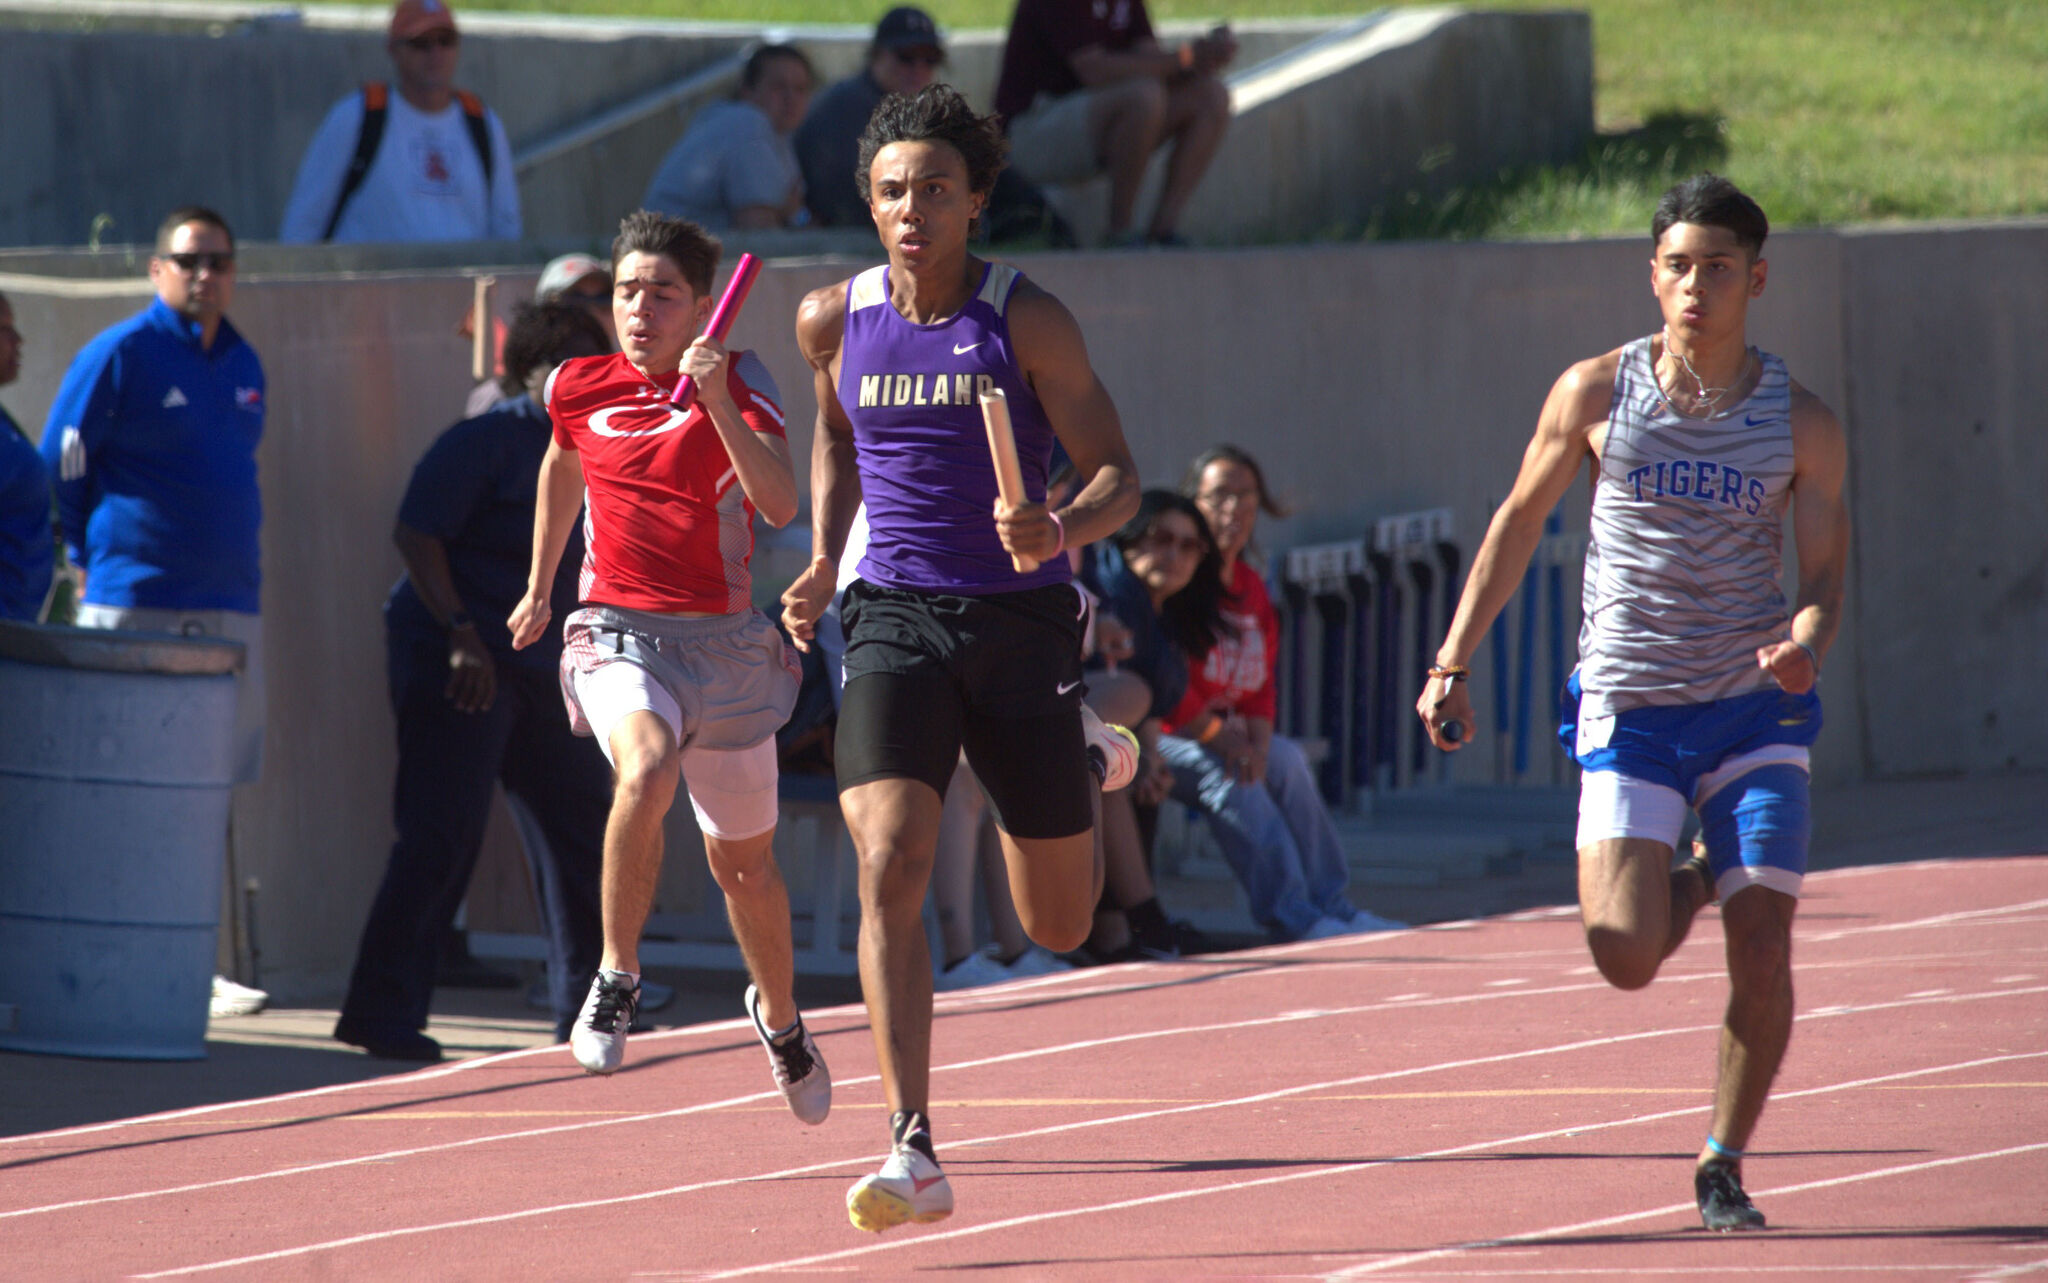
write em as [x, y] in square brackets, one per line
[1157, 576]
[1253, 787]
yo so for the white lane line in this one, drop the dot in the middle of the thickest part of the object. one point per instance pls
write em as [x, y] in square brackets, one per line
[1938, 920]
[981, 1062]
[1079, 1125]
[1672, 1209]
[1340, 1170]
[1080, 979]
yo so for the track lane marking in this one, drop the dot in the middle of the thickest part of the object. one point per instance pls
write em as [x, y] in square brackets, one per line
[1077, 1125]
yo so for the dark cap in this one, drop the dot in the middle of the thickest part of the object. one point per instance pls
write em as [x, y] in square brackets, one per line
[907, 27]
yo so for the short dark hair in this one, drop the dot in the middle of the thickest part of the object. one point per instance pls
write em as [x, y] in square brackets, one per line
[693, 250]
[1191, 484]
[1194, 615]
[1710, 200]
[547, 334]
[757, 63]
[184, 214]
[935, 113]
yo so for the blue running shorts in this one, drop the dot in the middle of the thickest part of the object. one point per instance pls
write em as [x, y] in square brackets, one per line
[1741, 763]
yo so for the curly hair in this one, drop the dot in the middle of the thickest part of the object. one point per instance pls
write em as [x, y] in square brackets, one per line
[546, 334]
[936, 113]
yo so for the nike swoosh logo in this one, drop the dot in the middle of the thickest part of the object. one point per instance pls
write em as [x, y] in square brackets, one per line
[1791, 721]
[920, 1186]
[1751, 421]
[1067, 686]
[600, 423]
[958, 349]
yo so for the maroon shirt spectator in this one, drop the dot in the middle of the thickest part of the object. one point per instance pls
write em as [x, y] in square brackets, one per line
[1086, 87]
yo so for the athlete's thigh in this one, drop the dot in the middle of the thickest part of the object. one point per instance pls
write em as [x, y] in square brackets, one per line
[1053, 878]
[1625, 886]
[1035, 772]
[894, 821]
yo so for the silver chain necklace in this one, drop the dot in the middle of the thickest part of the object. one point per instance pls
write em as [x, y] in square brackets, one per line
[1707, 399]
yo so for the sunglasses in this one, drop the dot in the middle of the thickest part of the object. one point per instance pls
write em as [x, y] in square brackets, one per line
[918, 57]
[1167, 541]
[191, 263]
[433, 40]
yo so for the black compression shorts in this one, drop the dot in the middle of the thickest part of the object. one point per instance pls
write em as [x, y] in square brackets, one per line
[928, 674]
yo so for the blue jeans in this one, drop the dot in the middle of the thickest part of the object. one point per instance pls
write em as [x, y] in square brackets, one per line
[1276, 835]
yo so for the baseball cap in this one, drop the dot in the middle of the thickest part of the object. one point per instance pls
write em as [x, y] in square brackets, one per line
[417, 17]
[565, 271]
[907, 27]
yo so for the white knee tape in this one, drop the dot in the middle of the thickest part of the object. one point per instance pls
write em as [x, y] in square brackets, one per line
[732, 790]
[1613, 805]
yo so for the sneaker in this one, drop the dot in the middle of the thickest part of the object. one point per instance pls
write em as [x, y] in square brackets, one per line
[1326, 928]
[971, 972]
[386, 1043]
[599, 1038]
[1034, 961]
[1723, 1205]
[231, 999]
[1697, 864]
[1361, 921]
[1112, 751]
[798, 1068]
[910, 1187]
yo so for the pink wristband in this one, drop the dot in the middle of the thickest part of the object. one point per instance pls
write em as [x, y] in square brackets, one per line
[1062, 527]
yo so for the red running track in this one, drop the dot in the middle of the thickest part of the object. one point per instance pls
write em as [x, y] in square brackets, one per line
[1467, 1101]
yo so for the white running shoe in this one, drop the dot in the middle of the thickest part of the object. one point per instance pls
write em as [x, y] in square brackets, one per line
[231, 999]
[1112, 750]
[799, 1070]
[1036, 961]
[910, 1187]
[599, 1038]
[972, 972]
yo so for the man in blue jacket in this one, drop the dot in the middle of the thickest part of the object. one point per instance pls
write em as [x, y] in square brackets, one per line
[26, 552]
[152, 444]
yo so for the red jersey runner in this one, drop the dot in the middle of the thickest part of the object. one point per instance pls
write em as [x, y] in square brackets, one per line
[667, 526]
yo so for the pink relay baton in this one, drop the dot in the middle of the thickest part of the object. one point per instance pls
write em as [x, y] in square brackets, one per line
[722, 317]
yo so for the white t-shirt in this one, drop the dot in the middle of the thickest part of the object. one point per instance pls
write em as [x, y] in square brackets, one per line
[425, 184]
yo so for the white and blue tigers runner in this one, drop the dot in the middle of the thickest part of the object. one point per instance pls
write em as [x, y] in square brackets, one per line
[1683, 567]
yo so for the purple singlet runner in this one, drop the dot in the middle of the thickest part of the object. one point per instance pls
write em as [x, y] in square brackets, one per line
[925, 473]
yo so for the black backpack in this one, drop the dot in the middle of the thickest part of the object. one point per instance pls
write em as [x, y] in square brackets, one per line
[376, 110]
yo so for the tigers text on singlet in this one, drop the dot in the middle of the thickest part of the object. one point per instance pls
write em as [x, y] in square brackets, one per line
[912, 394]
[1682, 571]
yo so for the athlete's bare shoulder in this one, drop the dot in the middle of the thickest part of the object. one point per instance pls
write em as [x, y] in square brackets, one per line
[1041, 327]
[1583, 396]
[821, 322]
[1818, 440]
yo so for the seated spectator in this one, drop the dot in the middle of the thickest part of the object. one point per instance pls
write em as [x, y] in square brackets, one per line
[573, 278]
[1254, 788]
[27, 550]
[429, 162]
[1158, 578]
[1086, 88]
[734, 166]
[472, 712]
[904, 57]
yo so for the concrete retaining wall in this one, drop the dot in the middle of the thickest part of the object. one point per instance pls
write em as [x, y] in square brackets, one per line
[118, 112]
[1369, 380]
